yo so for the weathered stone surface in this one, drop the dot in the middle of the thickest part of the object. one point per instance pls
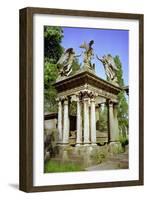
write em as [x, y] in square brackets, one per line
[86, 77]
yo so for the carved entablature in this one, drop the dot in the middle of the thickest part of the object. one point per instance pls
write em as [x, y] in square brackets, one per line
[86, 85]
[77, 91]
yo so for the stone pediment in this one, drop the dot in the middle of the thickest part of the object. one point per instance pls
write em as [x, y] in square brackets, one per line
[83, 77]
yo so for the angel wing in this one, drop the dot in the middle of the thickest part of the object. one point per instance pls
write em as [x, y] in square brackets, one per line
[85, 46]
[99, 58]
[111, 62]
[63, 59]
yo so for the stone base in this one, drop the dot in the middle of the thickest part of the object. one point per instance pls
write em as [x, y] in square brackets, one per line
[94, 144]
[61, 144]
[81, 154]
[115, 147]
[78, 144]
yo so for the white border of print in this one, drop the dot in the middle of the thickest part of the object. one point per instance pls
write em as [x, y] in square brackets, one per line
[39, 177]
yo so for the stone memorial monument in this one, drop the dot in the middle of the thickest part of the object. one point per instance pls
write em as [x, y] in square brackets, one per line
[88, 91]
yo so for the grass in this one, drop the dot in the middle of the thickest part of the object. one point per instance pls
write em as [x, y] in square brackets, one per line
[54, 166]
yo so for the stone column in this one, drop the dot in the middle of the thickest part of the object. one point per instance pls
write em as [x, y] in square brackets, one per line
[66, 122]
[60, 120]
[110, 121]
[79, 123]
[97, 110]
[93, 122]
[113, 122]
[86, 121]
[116, 129]
[97, 113]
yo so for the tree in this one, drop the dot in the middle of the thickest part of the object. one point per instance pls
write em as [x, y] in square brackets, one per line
[52, 52]
[52, 43]
[75, 66]
[122, 105]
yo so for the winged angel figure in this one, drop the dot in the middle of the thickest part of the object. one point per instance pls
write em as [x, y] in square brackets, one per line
[64, 64]
[88, 54]
[110, 67]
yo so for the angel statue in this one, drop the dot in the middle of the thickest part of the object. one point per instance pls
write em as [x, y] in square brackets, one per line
[64, 64]
[110, 68]
[88, 54]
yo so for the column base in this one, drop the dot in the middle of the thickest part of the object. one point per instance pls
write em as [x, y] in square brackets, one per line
[78, 144]
[86, 143]
[115, 147]
[93, 144]
[62, 144]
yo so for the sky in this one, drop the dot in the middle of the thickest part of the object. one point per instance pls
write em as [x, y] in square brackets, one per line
[106, 41]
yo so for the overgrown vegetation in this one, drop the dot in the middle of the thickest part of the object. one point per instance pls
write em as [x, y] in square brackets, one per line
[123, 140]
[100, 156]
[122, 101]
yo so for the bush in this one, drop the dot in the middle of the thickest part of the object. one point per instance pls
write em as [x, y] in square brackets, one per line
[124, 140]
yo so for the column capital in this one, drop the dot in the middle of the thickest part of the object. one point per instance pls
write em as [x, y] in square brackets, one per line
[65, 99]
[65, 102]
[112, 102]
[58, 99]
[78, 96]
[87, 94]
[92, 99]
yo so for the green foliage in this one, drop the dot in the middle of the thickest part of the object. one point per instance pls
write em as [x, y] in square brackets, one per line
[123, 140]
[73, 109]
[50, 75]
[54, 166]
[52, 52]
[117, 149]
[75, 66]
[102, 123]
[52, 43]
[123, 104]
[119, 73]
[122, 111]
